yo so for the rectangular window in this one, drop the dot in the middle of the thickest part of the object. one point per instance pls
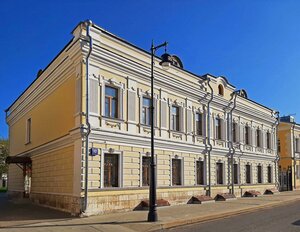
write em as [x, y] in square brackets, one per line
[247, 135]
[234, 132]
[297, 145]
[146, 112]
[200, 172]
[111, 102]
[268, 140]
[259, 174]
[219, 173]
[218, 128]
[298, 171]
[258, 143]
[28, 130]
[269, 174]
[176, 172]
[199, 124]
[111, 170]
[235, 174]
[146, 170]
[175, 118]
[248, 174]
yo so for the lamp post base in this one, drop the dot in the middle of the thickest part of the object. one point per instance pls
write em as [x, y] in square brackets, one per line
[152, 216]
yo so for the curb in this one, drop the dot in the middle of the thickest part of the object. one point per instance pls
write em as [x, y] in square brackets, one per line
[200, 219]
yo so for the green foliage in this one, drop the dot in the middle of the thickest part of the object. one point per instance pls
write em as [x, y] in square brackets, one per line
[3, 155]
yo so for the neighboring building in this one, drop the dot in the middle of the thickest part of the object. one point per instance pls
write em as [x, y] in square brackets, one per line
[289, 151]
[47, 129]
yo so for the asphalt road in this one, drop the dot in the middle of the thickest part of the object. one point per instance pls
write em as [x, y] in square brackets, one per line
[278, 219]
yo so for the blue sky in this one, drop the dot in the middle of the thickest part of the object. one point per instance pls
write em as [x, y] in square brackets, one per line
[254, 43]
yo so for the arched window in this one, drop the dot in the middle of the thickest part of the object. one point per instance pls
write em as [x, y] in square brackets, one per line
[221, 90]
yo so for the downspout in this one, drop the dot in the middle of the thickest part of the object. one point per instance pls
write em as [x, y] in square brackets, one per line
[277, 184]
[88, 24]
[294, 163]
[208, 136]
[231, 147]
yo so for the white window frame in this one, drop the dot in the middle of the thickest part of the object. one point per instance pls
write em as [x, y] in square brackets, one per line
[182, 170]
[120, 168]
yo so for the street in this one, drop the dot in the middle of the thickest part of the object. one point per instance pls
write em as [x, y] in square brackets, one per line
[284, 218]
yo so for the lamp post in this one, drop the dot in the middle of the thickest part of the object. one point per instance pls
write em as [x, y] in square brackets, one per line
[165, 63]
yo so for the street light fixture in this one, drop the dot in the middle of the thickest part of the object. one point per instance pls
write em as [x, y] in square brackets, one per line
[165, 63]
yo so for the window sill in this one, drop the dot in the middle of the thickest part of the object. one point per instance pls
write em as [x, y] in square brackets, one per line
[113, 119]
[27, 143]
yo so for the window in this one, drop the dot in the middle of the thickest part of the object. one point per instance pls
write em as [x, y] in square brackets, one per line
[297, 145]
[248, 174]
[278, 145]
[221, 90]
[219, 173]
[176, 172]
[146, 113]
[175, 118]
[111, 102]
[218, 128]
[258, 143]
[268, 140]
[269, 174]
[199, 124]
[235, 174]
[146, 170]
[298, 171]
[234, 132]
[247, 135]
[28, 130]
[111, 170]
[200, 172]
[259, 174]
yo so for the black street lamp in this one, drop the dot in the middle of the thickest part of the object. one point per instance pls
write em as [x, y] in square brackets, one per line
[165, 63]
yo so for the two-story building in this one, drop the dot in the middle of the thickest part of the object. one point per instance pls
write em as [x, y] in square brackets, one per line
[97, 89]
[289, 152]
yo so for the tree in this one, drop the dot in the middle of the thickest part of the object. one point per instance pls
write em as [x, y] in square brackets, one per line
[3, 155]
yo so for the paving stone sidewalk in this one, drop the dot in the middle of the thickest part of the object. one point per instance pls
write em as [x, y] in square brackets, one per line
[43, 219]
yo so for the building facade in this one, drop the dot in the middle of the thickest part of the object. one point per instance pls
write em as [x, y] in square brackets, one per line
[48, 126]
[289, 152]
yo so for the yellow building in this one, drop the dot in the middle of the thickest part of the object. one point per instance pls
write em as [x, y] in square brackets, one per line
[97, 90]
[289, 151]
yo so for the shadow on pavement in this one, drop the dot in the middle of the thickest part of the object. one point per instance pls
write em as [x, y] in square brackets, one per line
[23, 209]
[296, 223]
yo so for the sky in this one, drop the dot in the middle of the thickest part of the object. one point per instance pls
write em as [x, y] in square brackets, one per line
[255, 44]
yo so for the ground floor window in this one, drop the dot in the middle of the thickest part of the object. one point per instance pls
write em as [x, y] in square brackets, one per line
[248, 174]
[146, 170]
[269, 174]
[111, 170]
[176, 172]
[235, 174]
[259, 174]
[219, 173]
[200, 172]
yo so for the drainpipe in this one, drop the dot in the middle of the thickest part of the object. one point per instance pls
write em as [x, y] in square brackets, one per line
[208, 136]
[294, 163]
[88, 24]
[277, 184]
[231, 147]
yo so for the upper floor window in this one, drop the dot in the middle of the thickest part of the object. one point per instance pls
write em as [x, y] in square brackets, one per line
[258, 138]
[175, 118]
[221, 90]
[247, 135]
[111, 102]
[268, 140]
[199, 124]
[28, 130]
[297, 145]
[218, 128]
[234, 132]
[146, 112]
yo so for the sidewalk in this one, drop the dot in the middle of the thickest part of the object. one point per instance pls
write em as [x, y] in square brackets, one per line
[169, 217]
